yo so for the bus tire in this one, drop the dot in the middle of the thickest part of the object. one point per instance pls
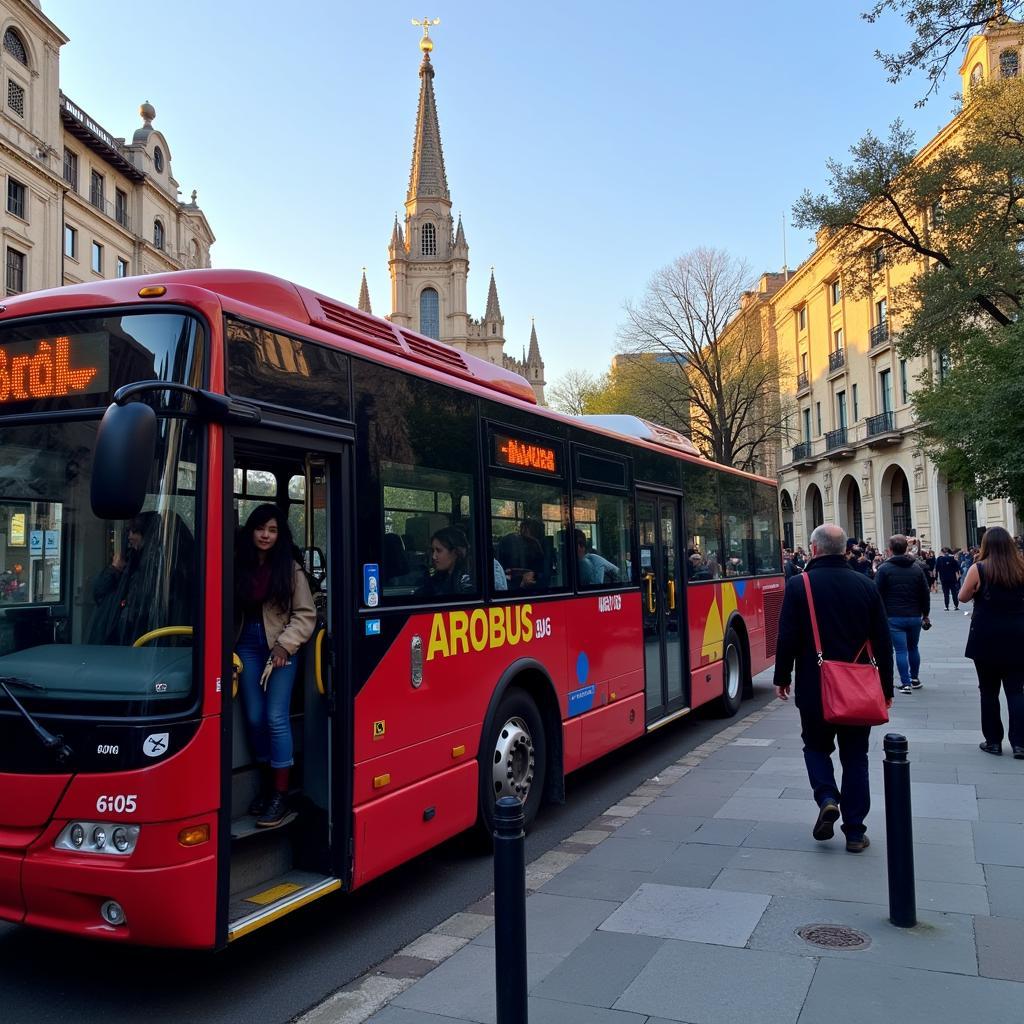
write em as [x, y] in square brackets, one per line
[733, 674]
[513, 758]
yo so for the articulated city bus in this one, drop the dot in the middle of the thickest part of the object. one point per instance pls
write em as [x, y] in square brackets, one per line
[611, 582]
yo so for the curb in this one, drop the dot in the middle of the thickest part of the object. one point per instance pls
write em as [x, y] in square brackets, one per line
[362, 998]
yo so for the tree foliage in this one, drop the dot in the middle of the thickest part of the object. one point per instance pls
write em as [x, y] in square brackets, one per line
[956, 218]
[572, 391]
[724, 364]
[940, 29]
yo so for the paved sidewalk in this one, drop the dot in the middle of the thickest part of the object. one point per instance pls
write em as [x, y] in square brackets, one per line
[683, 902]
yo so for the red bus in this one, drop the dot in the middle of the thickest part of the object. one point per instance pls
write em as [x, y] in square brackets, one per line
[613, 582]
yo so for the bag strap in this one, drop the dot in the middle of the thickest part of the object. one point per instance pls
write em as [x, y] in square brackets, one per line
[814, 617]
[817, 636]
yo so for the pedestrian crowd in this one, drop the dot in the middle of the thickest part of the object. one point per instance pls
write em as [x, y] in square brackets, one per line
[868, 608]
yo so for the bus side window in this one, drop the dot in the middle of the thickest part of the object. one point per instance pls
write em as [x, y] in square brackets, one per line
[703, 524]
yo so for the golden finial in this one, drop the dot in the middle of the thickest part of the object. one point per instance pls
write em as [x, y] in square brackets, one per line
[426, 43]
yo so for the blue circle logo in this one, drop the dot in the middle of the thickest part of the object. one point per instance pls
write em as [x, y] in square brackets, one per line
[582, 668]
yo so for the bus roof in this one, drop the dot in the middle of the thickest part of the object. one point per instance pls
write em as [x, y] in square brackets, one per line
[249, 293]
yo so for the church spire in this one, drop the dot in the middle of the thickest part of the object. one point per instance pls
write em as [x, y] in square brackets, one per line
[534, 356]
[364, 295]
[493, 311]
[427, 178]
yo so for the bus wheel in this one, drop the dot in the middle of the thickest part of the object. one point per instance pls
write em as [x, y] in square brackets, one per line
[513, 759]
[732, 675]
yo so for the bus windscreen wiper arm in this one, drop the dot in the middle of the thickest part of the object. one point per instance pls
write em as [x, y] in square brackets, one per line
[54, 743]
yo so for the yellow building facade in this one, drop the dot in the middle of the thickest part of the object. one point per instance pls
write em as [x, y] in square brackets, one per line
[854, 456]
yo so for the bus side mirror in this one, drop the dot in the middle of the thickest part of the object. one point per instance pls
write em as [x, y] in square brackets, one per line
[123, 460]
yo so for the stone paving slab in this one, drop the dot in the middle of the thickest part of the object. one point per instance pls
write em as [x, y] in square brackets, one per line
[940, 942]
[689, 913]
[704, 984]
[693, 864]
[1000, 948]
[463, 986]
[557, 924]
[670, 827]
[1006, 890]
[997, 842]
[632, 853]
[586, 879]
[600, 969]
[1002, 810]
[852, 992]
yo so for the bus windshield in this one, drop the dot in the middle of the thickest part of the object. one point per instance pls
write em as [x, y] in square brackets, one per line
[96, 616]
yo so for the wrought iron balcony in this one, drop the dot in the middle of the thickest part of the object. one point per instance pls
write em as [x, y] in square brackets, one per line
[802, 383]
[837, 440]
[880, 334]
[801, 452]
[883, 423]
[836, 360]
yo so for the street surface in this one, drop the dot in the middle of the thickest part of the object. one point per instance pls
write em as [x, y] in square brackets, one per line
[282, 970]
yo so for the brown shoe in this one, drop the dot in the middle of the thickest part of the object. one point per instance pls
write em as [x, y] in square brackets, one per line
[857, 845]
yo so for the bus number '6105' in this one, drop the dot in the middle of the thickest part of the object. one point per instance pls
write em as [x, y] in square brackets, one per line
[123, 803]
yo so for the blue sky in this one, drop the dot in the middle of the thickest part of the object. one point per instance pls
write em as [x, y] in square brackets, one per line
[586, 144]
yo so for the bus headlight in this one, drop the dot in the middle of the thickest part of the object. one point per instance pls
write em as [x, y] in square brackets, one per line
[98, 837]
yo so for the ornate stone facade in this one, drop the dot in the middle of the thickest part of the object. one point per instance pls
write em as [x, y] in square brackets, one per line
[81, 204]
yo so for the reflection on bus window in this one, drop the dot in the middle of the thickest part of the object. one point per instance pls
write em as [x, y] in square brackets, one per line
[737, 510]
[703, 524]
[528, 530]
[428, 528]
[602, 538]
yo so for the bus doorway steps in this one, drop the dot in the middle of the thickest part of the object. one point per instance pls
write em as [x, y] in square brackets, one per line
[262, 903]
[259, 854]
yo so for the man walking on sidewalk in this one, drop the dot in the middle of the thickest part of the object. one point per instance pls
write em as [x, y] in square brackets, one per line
[849, 612]
[948, 569]
[904, 588]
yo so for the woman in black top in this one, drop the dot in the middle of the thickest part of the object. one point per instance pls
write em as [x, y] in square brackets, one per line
[449, 553]
[996, 583]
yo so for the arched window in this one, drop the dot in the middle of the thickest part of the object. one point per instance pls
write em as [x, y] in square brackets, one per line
[1009, 63]
[430, 314]
[158, 159]
[158, 234]
[428, 245]
[977, 74]
[15, 46]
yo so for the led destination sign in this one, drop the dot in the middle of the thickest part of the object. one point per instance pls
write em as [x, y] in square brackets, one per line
[53, 367]
[515, 453]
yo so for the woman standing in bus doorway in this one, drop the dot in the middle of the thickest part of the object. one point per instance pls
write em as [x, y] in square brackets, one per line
[996, 583]
[278, 617]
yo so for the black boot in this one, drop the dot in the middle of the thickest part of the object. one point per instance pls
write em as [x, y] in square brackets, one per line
[266, 791]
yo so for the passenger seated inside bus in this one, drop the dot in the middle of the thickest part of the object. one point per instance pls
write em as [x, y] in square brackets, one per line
[594, 570]
[278, 617]
[449, 555]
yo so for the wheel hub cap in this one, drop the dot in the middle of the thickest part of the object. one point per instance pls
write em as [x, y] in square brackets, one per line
[513, 760]
[732, 668]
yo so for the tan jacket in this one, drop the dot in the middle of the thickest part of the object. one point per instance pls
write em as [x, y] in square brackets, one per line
[290, 630]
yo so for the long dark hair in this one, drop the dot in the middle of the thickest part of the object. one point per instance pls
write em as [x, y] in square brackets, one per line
[1004, 564]
[454, 539]
[280, 558]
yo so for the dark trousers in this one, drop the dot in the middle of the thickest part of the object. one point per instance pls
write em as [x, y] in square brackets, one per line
[1012, 679]
[950, 587]
[854, 798]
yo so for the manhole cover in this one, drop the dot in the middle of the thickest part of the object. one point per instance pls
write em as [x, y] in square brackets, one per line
[834, 936]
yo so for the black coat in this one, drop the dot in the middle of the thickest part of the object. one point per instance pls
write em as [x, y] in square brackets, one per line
[904, 587]
[948, 568]
[849, 611]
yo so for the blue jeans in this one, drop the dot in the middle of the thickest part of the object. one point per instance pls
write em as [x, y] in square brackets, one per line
[266, 712]
[906, 632]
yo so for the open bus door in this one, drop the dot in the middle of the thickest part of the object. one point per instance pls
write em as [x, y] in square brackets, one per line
[268, 872]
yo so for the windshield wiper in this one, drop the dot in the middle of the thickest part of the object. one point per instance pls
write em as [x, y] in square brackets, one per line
[56, 744]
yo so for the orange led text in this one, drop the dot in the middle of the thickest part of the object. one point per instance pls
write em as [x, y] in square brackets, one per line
[526, 456]
[47, 374]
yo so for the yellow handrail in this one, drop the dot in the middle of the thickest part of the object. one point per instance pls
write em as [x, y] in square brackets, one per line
[236, 666]
[671, 595]
[155, 634]
[319, 675]
[649, 580]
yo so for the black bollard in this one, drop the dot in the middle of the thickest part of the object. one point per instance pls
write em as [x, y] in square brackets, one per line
[510, 911]
[899, 827]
